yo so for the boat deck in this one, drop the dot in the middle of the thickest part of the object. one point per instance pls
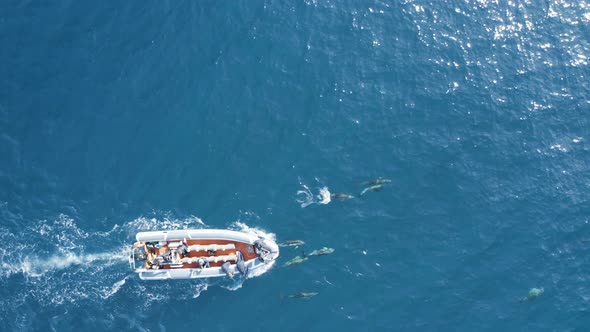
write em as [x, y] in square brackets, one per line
[246, 249]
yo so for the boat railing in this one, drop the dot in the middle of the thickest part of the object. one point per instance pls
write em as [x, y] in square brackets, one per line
[214, 247]
[210, 259]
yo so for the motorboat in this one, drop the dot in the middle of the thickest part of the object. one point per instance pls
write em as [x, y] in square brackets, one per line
[201, 253]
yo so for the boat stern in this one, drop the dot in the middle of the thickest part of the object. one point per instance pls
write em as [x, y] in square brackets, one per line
[138, 256]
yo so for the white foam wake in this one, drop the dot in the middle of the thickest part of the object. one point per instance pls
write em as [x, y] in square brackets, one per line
[305, 196]
[242, 227]
[36, 266]
[142, 224]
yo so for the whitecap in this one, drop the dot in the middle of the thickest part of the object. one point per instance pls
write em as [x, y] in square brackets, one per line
[305, 196]
[243, 227]
[558, 147]
[324, 197]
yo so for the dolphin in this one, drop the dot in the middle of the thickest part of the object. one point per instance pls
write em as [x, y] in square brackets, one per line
[341, 196]
[302, 295]
[533, 294]
[375, 187]
[292, 243]
[321, 252]
[376, 181]
[295, 261]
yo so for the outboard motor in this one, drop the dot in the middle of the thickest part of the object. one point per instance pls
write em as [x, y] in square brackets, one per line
[139, 254]
[241, 265]
[138, 257]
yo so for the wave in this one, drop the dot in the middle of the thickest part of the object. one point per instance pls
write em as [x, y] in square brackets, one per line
[242, 227]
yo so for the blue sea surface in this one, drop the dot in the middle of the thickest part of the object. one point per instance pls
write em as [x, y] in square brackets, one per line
[120, 117]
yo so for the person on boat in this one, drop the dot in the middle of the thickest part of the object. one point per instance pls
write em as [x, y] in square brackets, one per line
[263, 250]
[152, 262]
[167, 257]
[182, 250]
[203, 263]
[225, 268]
[241, 263]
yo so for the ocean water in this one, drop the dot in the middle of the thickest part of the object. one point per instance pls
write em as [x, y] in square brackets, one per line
[119, 117]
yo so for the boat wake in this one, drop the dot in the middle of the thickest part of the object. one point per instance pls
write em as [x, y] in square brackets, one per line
[36, 266]
[43, 249]
[58, 264]
[305, 196]
[242, 227]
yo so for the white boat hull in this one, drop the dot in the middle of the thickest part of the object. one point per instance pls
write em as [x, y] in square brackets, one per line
[201, 242]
